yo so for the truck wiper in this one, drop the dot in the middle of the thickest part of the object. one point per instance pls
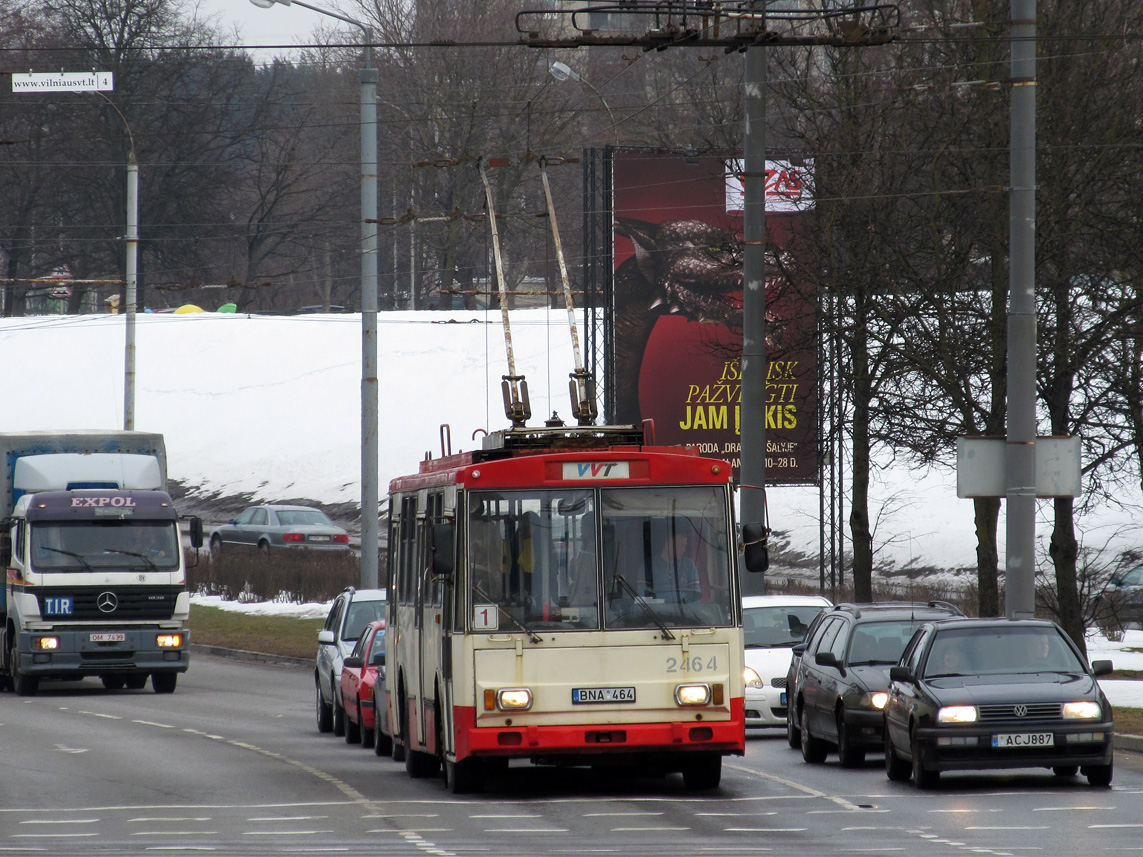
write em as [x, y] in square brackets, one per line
[68, 553]
[150, 562]
[532, 635]
[667, 635]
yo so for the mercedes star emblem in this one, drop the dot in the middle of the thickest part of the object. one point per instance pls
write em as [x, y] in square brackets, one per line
[106, 602]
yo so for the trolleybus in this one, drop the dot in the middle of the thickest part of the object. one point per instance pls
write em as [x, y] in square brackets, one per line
[565, 595]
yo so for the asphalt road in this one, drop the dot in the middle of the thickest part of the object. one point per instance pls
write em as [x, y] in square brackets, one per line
[232, 764]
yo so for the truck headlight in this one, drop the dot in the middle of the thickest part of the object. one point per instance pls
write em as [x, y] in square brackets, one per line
[169, 641]
[46, 644]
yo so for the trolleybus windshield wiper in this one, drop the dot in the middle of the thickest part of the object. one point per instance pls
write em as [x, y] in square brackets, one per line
[667, 635]
[532, 635]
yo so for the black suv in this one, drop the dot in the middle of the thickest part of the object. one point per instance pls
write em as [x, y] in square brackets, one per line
[841, 682]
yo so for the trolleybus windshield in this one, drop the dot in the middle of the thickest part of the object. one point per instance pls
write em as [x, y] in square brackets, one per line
[594, 559]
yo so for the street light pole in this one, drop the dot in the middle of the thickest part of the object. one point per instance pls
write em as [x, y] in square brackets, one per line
[369, 396]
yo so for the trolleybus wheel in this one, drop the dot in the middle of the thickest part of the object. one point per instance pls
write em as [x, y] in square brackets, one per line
[703, 773]
[464, 777]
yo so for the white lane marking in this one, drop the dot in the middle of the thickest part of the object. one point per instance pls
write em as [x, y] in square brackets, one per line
[104, 716]
[288, 818]
[174, 833]
[154, 819]
[838, 799]
[63, 748]
[153, 723]
[1071, 808]
[62, 821]
[618, 814]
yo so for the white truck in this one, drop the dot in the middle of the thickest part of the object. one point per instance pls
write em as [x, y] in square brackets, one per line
[92, 549]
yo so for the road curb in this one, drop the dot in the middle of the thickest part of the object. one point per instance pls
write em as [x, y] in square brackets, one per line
[253, 657]
[1131, 743]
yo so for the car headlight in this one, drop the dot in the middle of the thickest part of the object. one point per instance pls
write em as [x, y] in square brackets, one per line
[957, 714]
[1082, 711]
[877, 699]
[751, 678]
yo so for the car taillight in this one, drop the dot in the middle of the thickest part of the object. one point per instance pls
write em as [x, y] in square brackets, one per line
[293, 537]
[342, 539]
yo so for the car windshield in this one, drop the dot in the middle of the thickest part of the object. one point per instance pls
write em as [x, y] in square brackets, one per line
[880, 642]
[361, 613]
[101, 545]
[1133, 577]
[1000, 651]
[774, 627]
[301, 517]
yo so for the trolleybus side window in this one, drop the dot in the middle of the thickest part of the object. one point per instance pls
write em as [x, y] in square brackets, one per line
[407, 556]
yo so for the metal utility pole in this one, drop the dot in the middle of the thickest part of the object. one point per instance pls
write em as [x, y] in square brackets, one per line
[753, 455]
[132, 289]
[1020, 457]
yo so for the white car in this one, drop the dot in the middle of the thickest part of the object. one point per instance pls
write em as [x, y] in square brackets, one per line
[773, 625]
[350, 612]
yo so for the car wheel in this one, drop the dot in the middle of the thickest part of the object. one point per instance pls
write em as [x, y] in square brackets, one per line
[367, 735]
[703, 773]
[896, 768]
[164, 682]
[215, 547]
[264, 549]
[813, 749]
[338, 718]
[1065, 770]
[324, 712]
[923, 778]
[850, 756]
[352, 728]
[793, 733]
[1098, 775]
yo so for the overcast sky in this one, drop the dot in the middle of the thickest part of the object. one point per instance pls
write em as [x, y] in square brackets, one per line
[279, 25]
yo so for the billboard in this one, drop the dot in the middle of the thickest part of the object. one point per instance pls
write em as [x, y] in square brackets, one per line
[677, 308]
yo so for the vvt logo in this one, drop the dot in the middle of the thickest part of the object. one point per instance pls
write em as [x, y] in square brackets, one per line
[596, 470]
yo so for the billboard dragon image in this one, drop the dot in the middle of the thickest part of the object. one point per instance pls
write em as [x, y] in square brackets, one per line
[678, 308]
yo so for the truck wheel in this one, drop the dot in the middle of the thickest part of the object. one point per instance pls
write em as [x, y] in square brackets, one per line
[113, 681]
[136, 682]
[164, 682]
[24, 685]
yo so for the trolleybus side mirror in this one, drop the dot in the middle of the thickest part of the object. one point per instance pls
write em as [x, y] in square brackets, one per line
[6, 547]
[194, 530]
[442, 536]
[755, 549]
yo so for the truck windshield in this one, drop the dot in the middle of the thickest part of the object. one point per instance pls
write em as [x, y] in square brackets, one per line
[103, 545]
[610, 558]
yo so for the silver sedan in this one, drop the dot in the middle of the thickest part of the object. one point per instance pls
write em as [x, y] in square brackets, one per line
[267, 528]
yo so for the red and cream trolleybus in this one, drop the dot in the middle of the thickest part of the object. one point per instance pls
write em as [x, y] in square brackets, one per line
[566, 595]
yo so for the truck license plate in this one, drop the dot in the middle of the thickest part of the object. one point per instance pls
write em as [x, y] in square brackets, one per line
[583, 695]
[108, 638]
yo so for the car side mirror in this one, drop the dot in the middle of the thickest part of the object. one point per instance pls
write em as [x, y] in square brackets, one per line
[325, 637]
[1102, 667]
[901, 674]
[826, 659]
[1116, 581]
[354, 662]
[799, 649]
[377, 660]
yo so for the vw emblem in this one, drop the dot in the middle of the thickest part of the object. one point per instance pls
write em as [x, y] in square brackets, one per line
[106, 602]
[1020, 710]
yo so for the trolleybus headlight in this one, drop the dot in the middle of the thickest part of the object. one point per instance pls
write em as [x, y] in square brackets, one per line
[47, 643]
[692, 694]
[169, 641]
[513, 698]
[751, 678]
[1082, 711]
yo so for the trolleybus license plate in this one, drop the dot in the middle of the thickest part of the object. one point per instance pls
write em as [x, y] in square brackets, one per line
[108, 638]
[1024, 739]
[581, 695]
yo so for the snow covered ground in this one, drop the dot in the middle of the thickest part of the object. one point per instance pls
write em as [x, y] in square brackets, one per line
[269, 407]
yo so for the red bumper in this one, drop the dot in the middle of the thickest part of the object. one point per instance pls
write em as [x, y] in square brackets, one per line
[728, 737]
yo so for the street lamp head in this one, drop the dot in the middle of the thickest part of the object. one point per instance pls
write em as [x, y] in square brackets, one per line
[268, 4]
[560, 71]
